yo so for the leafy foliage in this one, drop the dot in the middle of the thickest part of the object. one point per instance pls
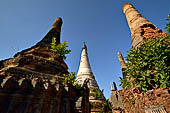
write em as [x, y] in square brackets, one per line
[168, 24]
[60, 48]
[94, 105]
[95, 93]
[148, 66]
[68, 78]
[106, 107]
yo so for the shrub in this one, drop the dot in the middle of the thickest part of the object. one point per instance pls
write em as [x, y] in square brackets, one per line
[148, 65]
[106, 107]
[60, 48]
[95, 93]
[68, 78]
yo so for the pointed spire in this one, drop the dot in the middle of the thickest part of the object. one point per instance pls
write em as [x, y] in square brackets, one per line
[84, 67]
[134, 18]
[115, 98]
[57, 24]
[115, 87]
[140, 27]
[121, 59]
[122, 63]
[85, 74]
[84, 46]
[54, 32]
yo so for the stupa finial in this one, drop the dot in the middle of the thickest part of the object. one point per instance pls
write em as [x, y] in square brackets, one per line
[53, 33]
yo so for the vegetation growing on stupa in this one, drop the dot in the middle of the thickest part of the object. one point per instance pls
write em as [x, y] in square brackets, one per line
[168, 24]
[95, 93]
[105, 107]
[60, 49]
[148, 65]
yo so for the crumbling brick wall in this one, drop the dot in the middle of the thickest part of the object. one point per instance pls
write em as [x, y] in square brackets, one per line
[134, 102]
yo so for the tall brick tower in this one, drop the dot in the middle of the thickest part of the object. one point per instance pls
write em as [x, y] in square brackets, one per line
[140, 27]
[85, 74]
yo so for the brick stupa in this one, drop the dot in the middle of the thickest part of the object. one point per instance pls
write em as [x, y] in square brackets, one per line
[140, 27]
[30, 82]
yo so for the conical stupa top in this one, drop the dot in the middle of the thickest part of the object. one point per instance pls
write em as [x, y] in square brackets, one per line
[140, 27]
[84, 67]
[54, 32]
[57, 24]
[134, 18]
[122, 63]
[45, 43]
[121, 59]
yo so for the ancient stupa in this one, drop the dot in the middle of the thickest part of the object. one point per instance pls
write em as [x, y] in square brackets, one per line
[115, 98]
[84, 75]
[30, 82]
[149, 102]
[140, 27]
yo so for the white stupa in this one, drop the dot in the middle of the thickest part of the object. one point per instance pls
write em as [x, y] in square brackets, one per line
[85, 73]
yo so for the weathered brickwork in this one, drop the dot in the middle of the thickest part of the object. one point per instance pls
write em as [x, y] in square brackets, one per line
[140, 27]
[31, 81]
[134, 102]
[153, 101]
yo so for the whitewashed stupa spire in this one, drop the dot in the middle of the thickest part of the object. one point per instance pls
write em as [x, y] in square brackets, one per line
[84, 67]
[85, 73]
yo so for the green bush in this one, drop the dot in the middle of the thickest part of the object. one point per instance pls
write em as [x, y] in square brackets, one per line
[60, 48]
[95, 93]
[106, 107]
[94, 105]
[148, 65]
[69, 78]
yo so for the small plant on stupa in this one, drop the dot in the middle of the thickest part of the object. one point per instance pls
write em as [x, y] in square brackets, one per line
[95, 93]
[60, 49]
[148, 65]
[68, 78]
[94, 105]
[168, 24]
[106, 107]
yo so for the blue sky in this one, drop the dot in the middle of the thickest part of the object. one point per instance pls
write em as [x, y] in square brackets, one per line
[100, 23]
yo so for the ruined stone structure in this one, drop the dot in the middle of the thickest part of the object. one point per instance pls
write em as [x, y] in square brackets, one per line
[85, 74]
[153, 101]
[115, 99]
[140, 27]
[30, 82]
[155, 109]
